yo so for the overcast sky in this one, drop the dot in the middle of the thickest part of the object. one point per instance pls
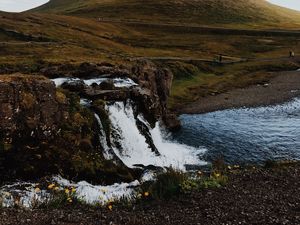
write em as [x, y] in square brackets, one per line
[293, 4]
[22, 5]
[19, 5]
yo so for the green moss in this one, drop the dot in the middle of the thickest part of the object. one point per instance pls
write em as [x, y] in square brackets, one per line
[173, 183]
[183, 70]
[61, 97]
[27, 100]
[166, 185]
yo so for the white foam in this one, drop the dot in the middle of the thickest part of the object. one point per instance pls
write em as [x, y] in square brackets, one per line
[59, 81]
[97, 194]
[135, 149]
[23, 194]
[118, 82]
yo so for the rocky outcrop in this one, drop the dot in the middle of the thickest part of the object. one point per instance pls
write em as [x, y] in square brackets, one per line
[107, 95]
[153, 91]
[152, 94]
[46, 131]
[31, 107]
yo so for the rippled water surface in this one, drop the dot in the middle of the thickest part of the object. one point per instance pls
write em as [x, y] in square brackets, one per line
[246, 135]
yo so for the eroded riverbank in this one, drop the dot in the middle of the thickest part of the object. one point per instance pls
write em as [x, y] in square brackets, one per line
[284, 87]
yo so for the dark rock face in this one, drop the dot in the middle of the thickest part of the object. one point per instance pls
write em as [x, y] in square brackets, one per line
[107, 95]
[44, 131]
[30, 114]
[107, 85]
[77, 85]
[155, 85]
[172, 122]
[30, 106]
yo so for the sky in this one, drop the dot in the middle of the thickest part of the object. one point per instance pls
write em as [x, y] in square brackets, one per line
[293, 4]
[22, 5]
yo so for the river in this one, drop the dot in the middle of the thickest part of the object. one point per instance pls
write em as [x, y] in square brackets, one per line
[246, 135]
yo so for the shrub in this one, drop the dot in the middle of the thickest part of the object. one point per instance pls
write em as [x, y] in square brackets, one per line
[167, 184]
[61, 97]
[173, 182]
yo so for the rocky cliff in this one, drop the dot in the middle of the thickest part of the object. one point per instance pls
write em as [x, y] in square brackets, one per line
[45, 130]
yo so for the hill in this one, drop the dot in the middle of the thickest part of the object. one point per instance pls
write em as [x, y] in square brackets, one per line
[204, 12]
[186, 36]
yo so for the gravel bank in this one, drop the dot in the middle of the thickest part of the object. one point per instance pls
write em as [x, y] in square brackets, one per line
[256, 196]
[284, 87]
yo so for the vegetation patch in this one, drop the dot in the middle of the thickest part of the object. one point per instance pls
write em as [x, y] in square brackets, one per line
[173, 183]
[218, 78]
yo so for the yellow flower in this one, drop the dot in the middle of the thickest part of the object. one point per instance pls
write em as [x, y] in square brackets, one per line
[217, 175]
[69, 200]
[50, 186]
[110, 207]
[73, 190]
[56, 189]
[37, 190]
[146, 194]
[67, 191]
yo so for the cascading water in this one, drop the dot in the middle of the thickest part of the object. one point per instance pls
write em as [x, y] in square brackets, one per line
[132, 148]
[118, 82]
[103, 140]
[132, 141]
[129, 144]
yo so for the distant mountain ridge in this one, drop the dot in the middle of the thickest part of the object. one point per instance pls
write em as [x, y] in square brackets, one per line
[184, 11]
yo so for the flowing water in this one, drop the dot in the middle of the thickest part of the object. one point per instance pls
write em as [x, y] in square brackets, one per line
[133, 147]
[246, 135]
[239, 136]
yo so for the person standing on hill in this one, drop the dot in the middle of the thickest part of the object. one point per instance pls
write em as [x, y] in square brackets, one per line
[292, 54]
[220, 58]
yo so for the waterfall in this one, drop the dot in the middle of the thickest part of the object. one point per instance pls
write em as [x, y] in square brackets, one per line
[103, 140]
[132, 148]
[132, 140]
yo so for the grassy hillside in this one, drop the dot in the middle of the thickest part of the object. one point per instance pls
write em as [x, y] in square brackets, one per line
[205, 12]
[185, 35]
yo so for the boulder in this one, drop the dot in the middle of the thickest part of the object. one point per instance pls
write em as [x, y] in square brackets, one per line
[107, 95]
[154, 88]
[76, 85]
[107, 85]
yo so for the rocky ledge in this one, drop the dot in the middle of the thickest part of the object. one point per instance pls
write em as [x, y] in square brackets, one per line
[45, 130]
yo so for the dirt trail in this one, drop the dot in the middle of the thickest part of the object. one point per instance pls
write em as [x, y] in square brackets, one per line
[206, 29]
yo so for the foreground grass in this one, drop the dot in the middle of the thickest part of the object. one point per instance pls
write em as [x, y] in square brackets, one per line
[252, 195]
[169, 185]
